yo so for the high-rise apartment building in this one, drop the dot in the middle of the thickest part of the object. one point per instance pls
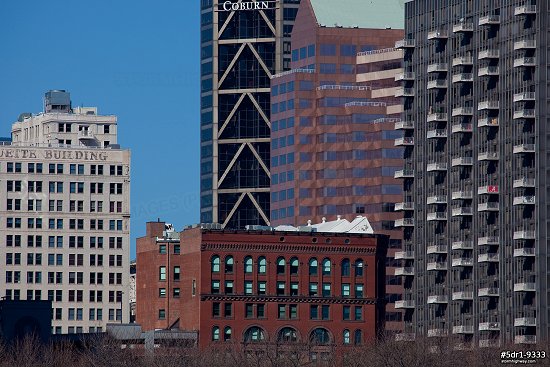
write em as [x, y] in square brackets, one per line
[475, 177]
[333, 117]
[65, 215]
[243, 43]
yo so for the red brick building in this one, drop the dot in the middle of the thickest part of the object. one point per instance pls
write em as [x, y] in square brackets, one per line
[252, 286]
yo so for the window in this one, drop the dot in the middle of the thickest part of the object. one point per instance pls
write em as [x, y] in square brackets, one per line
[162, 273]
[346, 313]
[228, 309]
[177, 272]
[262, 265]
[358, 313]
[215, 264]
[294, 288]
[359, 268]
[345, 267]
[313, 266]
[229, 287]
[215, 333]
[229, 264]
[357, 336]
[327, 50]
[162, 292]
[320, 336]
[345, 290]
[216, 309]
[261, 288]
[248, 265]
[281, 265]
[248, 287]
[326, 267]
[346, 337]
[359, 291]
[294, 266]
[254, 334]
[281, 311]
[227, 333]
[287, 335]
[280, 288]
[215, 287]
[326, 289]
[325, 312]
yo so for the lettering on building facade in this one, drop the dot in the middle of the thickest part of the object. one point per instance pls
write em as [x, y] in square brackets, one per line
[53, 154]
[248, 5]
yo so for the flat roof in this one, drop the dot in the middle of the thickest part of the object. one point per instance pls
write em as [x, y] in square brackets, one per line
[377, 14]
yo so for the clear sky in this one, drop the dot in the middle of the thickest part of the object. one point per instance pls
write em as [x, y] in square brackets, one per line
[136, 59]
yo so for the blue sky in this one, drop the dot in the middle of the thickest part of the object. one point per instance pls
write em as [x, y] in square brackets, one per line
[136, 59]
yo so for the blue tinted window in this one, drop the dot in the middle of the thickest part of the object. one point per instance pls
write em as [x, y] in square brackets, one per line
[274, 143]
[206, 85]
[275, 90]
[206, 101]
[275, 178]
[294, 55]
[274, 125]
[290, 122]
[305, 157]
[282, 88]
[328, 69]
[290, 211]
[282, 177]
[282, 106]
[206, 135]
[303, 53]
[348, 50]
[310, 50]
[290, 174]
[290, 105]
[274, 161]
[306, 85]
[290, 140]
[327, 50]
[305, 121]
[290, 156]
[391, 189]
[347, 69]
[274, 108]
[305, 103]
[367, 48]
[282, 124]
[206, 68]
[290, 86]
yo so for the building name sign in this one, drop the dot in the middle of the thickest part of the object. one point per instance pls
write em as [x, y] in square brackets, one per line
[248, 5]
[51, 154]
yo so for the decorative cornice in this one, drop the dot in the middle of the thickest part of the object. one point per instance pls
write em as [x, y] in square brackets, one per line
[290, 248]
[290, 299]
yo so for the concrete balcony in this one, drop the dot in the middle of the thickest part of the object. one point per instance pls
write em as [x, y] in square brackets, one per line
[463, 245]
[404, 92]
[463, 111]
[405, 43]
[404, 125]
[525, 10]
[84, 135]
[462, 161]
[461, 128]
[405, 271]
[487, 189]
[463, 262]
[437, 333]
[488, 258]
[409, 76]
[525, 321]
[524, 200]
[489, 54]
[525, 339]
[488, 156]
[489, 20]
[405, 337]
[489, 343]
[524, 252]
[438, 34]
[488, 292]
[438, 68]
[525, 287]
[404, 173]
[463, 27]
[488, 71]
[431, 167]
[525, 114]
[404, 206]
[524, 148]
[463, 61]
[463, 78]
[524, 235]
[525, 45]
[432, 117]
[436, 216]
[437, 249]
[489, 326]
[524, 96]
[437, 266]
[488, 241]
[438, 299]
[437, 133]
[463, 296]
[487, 105]
[404, 304]
[404, 255]
[462, 211]
[405, 141]
[524, 182]
[437, 84]
[436, 199]
[404, 222]
[525, 62]
[463, 329]
[488, 207]
[462, 195]
[488, 122]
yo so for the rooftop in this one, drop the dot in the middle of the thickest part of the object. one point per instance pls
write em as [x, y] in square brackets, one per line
[377, 14]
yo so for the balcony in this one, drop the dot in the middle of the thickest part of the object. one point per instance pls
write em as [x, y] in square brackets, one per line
[405, 76]
[489, 20]
[463, 78]
[525, 339]
[404, 222]
[437, 133]
[405, 337]
[404, 92]
[86, 135]
[525, 287]
[525, 45]
[436, 216]
[524, 182]
[487, 105]
[404, 173]
[488, 207]
[404, 206]
[405, 43]
[489, 343]
[404, 141]
[462, 262]
[437, 84]
[488, 156]
[489, 326]
[487, 189]
[404, 271]
[432, 117]
[436, 199]
[463, 296]
[524, 235]
[404, 304]
[431, 167]
[462, 161]
[462, 211]
[488, 258]
[438, 34]
[404, 255]
[524, 96]
[463, 60]
[525, 114]
[404, 125]
[461, 128]
[525, 321]
[438, 68]
[463, 111]
[524, 252]
[436, 266]
[463, 27]
[437, 249]
[488, 241]
[489, 54]
[524, 148]
[524, 200]
[525, 10]
[488, 292]
[463, 329]
[463, 245]
[437, 299]
[488, 71]
[525, 62]
[488, 122]
[434, 333]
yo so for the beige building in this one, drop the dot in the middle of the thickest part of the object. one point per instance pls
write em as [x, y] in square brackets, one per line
[65, 215]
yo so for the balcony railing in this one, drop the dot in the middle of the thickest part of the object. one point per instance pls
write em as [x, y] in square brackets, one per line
[525, 62]
[438, 34]
[487, 189]
[524, 235]
[488, 122]
[488, 71]
[488, 156]
[404, 255]
[405, 43]
[436, 216]
[404, 173]
[437, 84]
[525, 339]
[461, 128]
[524, 96]
[489, 20]
[437, 249]
[404, 125]
[524, 182]
[404, 304]
[435, 333]
[463, 261]
[525, 10]
[525, 114]
[438, 68]
[525, 287]
[403, 271]
[462, 161]
[463, 60]
[438, 116]
[488, 241]
[462, 195]
[463, 111]
[436, 199]
[463, 245]
[463, 78]
[489, 326]
[437, 266]
[488, 258]
[462, 211]
[525, 321]
[488, 292]
[524, 200]
[436, 167]
[404, 222]
[489, 54]
[463, 27]
[524, 252]
[525, 44]
[438, 299]
[437, 133]
[405, 76]
[487, 105]
[463, 296]
[488, 207]
[404, 206]
[404, 92]
[405, 141]
[405, 337]
[524, 148]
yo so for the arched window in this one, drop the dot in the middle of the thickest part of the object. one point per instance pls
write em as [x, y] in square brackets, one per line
[229, 264]
[262, 265]
[248, 265]
[215, 333]
[287, 334]
[294, 266]
[281, 265]
[227, 333]
[215, 264]
[359, 268]
[345, 268]
[254, 334]
[326, 267]
[346, 336]
[313, 266]
[320, 336]
[357, 336]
